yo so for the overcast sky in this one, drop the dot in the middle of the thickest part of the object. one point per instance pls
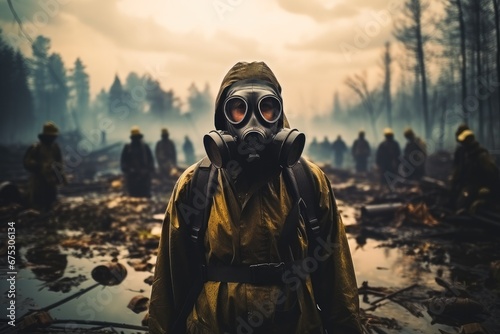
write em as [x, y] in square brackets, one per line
[310, 45]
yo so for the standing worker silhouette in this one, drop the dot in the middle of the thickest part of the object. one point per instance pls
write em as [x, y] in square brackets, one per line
[361, 152]
[339, 148]
[44, 162]
[387, 159]
[137, 164]
[188, 149]
[166, 155]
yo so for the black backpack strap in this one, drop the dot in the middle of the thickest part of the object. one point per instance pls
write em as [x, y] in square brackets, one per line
[308, 196]
[300, 183]
[292, 219]
[299, 179]
[204, 182]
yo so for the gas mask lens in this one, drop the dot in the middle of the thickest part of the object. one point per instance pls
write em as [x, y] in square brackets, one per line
[236, 108]
[270, 108]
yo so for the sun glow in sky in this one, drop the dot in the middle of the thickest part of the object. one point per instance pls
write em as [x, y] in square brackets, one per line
[180, 42]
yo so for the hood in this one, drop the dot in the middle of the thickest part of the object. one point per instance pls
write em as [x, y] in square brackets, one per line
[242, 71]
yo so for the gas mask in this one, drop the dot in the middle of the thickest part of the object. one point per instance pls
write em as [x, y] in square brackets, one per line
[253, 114]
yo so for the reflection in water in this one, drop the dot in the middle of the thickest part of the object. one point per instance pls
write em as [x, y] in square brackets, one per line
[404, 268]
[100, 304]
[394, 268]
[47, 262]
[360, 241]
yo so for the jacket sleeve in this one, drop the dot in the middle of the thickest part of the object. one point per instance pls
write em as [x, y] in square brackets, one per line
[174, 271]
[334, 282]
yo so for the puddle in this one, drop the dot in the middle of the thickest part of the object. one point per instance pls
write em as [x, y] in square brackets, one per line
[393, 267]
[102, 303]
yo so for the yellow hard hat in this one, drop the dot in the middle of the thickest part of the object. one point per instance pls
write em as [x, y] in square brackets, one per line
[50, 129]
[464, 135]
[135, 131]
[461, 128]
[388, 131]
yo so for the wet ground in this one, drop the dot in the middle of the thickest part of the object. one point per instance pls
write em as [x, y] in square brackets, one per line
[437, 275]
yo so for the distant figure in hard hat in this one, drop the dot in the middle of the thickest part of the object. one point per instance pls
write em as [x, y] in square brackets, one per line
[188, 149]
[415, 156]
[339, 148]
[137, 164]
[44, 162]
[360, 152]
[387, 159]
[166, 155]
[476, 178]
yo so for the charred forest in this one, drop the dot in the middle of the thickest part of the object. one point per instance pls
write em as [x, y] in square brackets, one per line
[401, 113]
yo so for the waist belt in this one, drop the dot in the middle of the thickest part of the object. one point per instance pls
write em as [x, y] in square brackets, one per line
[258, 274]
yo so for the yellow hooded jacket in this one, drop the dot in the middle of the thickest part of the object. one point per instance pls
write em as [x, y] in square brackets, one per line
[245, 232]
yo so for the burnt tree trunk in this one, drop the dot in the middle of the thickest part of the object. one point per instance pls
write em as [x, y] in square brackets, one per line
[480, 99]
[423, 73]
[496, 6]
[463, 54]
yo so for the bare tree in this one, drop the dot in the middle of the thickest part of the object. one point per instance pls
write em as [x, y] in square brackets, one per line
[359, 85]
[409, 30]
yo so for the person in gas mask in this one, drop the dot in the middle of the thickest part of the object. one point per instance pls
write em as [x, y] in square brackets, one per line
[44, 162]
[260, 260]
